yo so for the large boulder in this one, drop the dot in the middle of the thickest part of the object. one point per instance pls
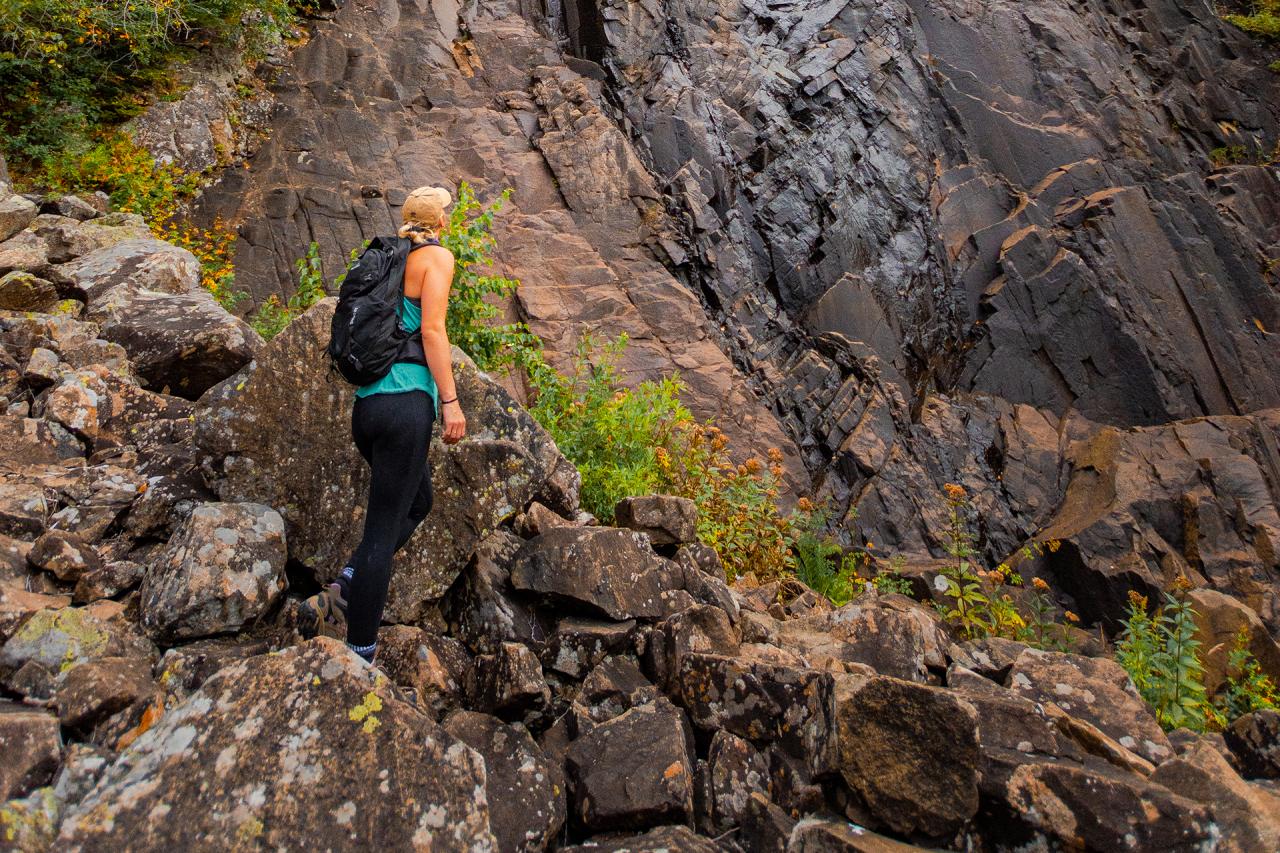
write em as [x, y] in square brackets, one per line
[307, 466]
[910, 751]
[307, 749]
[634, 771]
[64, 637]
[1254, 739]
[16, 213]
[69, 238]
[1247, 814]
[95, 690]
[526, 806]
[222, 569]
[22, 291]
[1101, 808]
[145, 263]
[601, 570]
[667, 519]
[1220, 620]
[760, 699]
[180, 342]
[32, 747]
[1096, 690]
[894, 636]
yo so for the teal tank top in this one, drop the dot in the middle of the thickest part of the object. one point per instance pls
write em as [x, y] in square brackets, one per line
[404, 376]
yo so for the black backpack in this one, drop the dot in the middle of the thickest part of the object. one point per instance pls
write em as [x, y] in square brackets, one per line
[367, 336]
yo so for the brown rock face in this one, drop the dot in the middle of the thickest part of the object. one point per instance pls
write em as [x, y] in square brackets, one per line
[911, 753]
[1096, 690]
[32, 748]
[633, 771]
[279, 750]
[306, 465]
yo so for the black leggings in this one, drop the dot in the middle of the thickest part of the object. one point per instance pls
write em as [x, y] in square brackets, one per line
[392, 433]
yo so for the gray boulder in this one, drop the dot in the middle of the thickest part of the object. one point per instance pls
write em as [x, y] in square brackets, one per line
[668, 520]
[183, 342]
[602, 570]
[222, 569]
[146, 264]
[249, 760]
[16, 213]
[32, 746]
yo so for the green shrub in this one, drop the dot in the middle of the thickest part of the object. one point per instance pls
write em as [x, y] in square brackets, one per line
[468, 235]
[738, 512]
[1247, 688]
[70, 67]
[159, 193]
[1263, 19]
[609, 432]
[1160, 655]
[273, 315]
[970, 609]
[820, 563]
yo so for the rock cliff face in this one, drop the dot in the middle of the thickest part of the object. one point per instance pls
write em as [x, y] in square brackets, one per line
[906, 242]
[546, 683]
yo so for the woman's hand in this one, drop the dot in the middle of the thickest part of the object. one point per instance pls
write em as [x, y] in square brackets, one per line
[455, 423]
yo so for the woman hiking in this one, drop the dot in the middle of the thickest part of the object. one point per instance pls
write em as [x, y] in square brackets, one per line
[391, 423]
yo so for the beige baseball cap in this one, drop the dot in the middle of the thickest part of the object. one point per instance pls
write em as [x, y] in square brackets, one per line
[426, 205]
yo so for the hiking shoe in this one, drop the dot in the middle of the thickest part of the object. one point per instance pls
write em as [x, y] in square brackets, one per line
[324, 614]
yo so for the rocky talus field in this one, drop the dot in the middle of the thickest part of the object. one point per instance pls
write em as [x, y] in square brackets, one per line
[909, 243]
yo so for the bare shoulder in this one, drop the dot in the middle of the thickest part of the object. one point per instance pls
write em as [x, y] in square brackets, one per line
[437, 254]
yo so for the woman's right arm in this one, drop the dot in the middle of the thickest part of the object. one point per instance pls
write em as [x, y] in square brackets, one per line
[436, 281]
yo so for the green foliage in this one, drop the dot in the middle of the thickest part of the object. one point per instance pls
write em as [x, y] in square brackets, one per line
[1263, 19]
[1247, 689]
[68, 67]
[609, 432]
[468, 235]
[980, 603]
[273, 315]
[158, 192]
[1228, 154]
[738, 513]
[638, 440]
[820, 563]
[970, 607]
[1180, 698]
[891, 581]
[1138, 646]
[1160, 655]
